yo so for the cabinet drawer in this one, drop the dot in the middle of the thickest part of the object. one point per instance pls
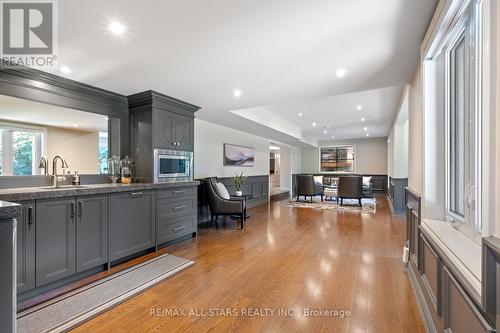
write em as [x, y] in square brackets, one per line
[175, 192]
[168, 208]
[175, 228]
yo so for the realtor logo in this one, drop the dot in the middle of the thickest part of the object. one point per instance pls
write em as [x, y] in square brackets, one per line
[28, 33]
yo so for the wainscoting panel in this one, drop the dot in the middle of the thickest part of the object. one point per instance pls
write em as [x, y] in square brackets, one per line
[443, 294]
[397, 194]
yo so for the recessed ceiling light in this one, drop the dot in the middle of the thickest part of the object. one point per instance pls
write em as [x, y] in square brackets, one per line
[365, 128]
[75, 125]
[314, 124]
[325, 131]
[65, 69]
[359, 107]
[367, 134]
[300, 114]
[237, 93]
[340, 73]
[363, 119]
[333, 137]
[117, 28]
[327, 126]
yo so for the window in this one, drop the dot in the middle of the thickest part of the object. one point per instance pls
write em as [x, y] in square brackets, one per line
[337, 159]
[103, 152]
[462, 124]
[20, 150]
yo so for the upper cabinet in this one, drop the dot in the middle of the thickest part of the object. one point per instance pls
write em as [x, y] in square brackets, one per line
[158, 121]
[172, 131]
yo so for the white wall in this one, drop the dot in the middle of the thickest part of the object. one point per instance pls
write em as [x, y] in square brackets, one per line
[415, 130]
[371, 155]
[285, 166]
[209, 141]
[80, 149]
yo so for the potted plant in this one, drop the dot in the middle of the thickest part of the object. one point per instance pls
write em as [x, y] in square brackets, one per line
[239, 180]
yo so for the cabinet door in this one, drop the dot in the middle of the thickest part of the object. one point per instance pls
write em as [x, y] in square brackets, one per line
[184, 133]
[55, 239]
[26, 248]
[132, 223]
[164, 129]
[91, 232]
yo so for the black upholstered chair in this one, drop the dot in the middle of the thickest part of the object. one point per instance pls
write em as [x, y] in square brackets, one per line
[350, 187]
[307, 187]
[221, 206]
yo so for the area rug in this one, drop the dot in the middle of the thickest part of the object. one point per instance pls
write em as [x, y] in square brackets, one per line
[72, 309]
[368, 205]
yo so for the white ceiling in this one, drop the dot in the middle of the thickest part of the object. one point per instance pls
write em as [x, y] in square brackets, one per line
[279, 51]
[28, 112]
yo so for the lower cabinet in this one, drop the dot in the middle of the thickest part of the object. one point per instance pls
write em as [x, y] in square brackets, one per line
[55, 240]
[71, 236]
[26, 248]
[132, 223]
[91, 232]
[176, 213]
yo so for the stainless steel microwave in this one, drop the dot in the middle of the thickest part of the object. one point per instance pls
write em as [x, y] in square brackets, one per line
[172, 166]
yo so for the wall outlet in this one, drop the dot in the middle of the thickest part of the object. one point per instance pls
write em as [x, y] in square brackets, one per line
[406, 254]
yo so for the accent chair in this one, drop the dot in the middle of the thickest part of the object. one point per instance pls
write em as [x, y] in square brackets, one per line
[308, 187]
[350, 187]
[221, 203]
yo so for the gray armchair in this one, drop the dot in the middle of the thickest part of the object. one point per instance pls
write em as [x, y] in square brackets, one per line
[220, 206]
[350, 187]
[307, 187]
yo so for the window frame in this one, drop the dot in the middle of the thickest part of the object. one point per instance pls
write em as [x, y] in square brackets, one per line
[336, 147]
[28, 127]
[468, 28]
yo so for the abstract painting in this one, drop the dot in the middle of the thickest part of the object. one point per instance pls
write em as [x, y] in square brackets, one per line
[238, 155]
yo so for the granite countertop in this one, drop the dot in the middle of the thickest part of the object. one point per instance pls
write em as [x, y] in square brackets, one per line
[31, 193]
[9, 210]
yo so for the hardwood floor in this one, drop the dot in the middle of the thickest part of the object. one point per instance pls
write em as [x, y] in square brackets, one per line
[286, 258]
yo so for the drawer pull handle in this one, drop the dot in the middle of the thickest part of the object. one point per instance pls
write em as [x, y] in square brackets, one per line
[136, 193]
[30, 215]
[179, 191]
[72, 210]
[178, 228]
[179, 207]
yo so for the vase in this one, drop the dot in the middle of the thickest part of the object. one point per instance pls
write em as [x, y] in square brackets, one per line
[239, 193]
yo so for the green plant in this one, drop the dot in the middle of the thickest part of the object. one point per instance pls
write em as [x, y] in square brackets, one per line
[239, 180]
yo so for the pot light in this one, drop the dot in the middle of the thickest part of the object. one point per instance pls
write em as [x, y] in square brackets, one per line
[359, 107]
[237, 93]
[117, 28]
[65, 69]
[314, 124]
[325, 131]
[300, 114]
[75, 125]
[363, 119]
[367, 134]
[340, 73]
[333, 137]
[365, 129]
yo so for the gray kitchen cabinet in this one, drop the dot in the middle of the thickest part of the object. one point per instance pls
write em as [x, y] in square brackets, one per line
[184, 133]
[55, 239]
[172, 131]
[91, 232]
[132, 223]
[26, 248]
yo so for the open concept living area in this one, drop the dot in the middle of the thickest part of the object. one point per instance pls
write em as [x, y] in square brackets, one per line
[249, 166]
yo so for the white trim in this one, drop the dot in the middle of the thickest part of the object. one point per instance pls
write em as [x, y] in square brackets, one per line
[461, 250]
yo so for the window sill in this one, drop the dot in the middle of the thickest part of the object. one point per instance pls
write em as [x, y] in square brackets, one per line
[461, 250]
